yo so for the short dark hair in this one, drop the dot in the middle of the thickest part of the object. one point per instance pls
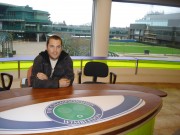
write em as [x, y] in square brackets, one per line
[56, 37]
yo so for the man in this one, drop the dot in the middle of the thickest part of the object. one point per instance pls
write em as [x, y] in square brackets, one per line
[52, 68]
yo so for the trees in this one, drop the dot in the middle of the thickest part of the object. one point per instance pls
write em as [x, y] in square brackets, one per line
[75, 46]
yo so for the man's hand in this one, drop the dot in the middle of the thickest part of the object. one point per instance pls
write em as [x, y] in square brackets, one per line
[64, 82]
[42, 76]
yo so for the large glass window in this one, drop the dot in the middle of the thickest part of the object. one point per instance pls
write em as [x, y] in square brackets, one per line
[148, 27]
[35, 20]
[138, 25]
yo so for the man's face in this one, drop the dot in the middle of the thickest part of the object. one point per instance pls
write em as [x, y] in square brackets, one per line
[54, 48]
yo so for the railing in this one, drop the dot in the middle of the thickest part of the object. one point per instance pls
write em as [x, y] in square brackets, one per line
[82, 59]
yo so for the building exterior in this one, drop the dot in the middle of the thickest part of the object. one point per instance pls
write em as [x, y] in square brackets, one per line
[33, 25]
[24, 22]
[161, 19]
[85, 31]
[157, 29]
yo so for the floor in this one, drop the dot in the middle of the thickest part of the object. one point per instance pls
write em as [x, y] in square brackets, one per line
[168, 119]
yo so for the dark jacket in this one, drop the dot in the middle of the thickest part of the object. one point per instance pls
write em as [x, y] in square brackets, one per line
[63, 69]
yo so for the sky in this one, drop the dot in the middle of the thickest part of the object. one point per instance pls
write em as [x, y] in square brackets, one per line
[79, 12]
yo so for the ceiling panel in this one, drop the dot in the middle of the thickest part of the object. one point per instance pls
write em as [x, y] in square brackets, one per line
[175, 3]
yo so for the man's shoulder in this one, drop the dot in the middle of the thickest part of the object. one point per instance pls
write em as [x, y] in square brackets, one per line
[64, 55]
[38, 57]
[42, 55]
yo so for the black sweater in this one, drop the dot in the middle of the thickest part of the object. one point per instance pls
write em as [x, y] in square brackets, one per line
[63, 69]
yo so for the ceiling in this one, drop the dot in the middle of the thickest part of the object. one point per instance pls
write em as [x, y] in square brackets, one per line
[175, 3]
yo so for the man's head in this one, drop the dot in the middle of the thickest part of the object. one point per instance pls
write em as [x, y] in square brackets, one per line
[54, 46]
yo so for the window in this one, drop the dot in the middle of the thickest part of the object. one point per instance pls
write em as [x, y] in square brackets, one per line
[71, 19]
[150, 26]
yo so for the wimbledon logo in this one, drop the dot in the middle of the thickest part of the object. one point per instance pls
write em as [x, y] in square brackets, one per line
[73, 112]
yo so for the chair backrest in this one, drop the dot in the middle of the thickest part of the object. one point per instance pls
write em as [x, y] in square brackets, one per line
[7, 80]
[29, 72]
[96, 69]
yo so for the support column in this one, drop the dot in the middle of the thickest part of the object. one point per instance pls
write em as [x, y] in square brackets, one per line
[37, 37]
[100, 27]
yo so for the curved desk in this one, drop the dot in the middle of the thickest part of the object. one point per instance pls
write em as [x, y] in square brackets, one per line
[80, 109]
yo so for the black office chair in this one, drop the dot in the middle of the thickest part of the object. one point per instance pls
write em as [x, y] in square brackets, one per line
[97, 69]
[6, 81]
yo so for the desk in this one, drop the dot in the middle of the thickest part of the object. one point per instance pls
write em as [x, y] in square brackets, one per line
[139, 117]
